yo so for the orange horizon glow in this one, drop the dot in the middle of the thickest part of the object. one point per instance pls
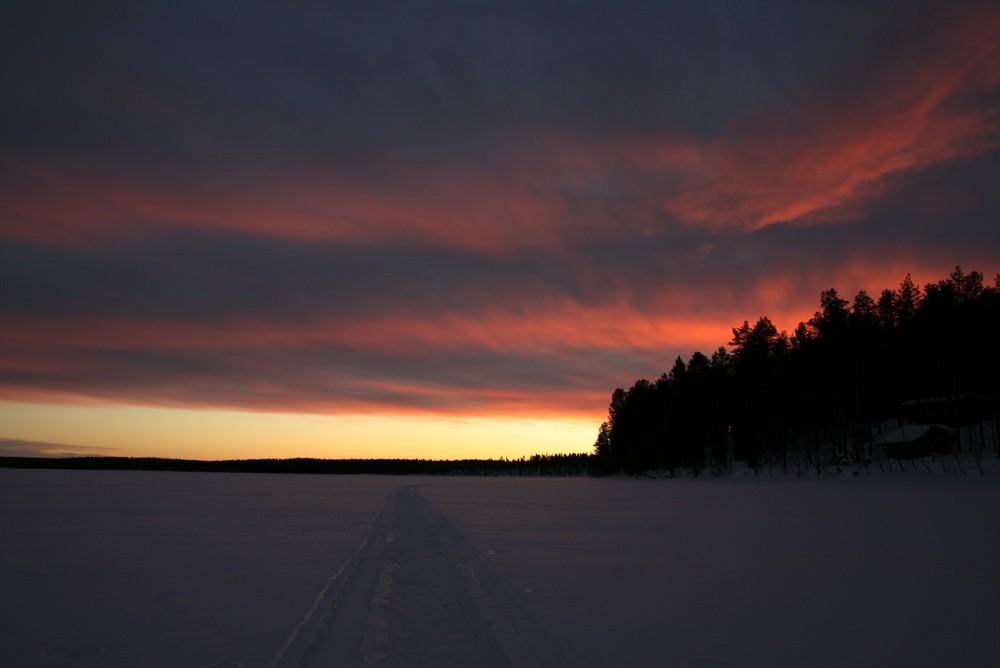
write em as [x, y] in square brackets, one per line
[55, 430]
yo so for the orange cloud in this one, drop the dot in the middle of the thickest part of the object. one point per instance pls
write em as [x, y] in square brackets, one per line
[314, 365]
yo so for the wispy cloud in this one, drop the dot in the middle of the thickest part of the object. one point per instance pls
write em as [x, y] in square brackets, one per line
[918, 92]
[13, 447]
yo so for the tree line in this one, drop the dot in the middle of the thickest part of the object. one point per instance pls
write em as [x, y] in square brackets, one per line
[536, 465]
[823, 394]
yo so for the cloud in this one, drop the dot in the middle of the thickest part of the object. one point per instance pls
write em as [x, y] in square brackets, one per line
[455, 127]
[13, 447]
[919, 91]
[549, 360]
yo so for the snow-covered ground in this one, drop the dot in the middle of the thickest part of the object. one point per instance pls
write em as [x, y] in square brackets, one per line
[155, 569]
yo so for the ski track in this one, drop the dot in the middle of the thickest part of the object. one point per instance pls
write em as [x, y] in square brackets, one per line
[417, 593]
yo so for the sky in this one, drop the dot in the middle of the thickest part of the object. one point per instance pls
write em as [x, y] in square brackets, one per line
[431, 229]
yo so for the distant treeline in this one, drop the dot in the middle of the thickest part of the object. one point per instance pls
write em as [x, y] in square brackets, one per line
[824, 393]
[536, 465]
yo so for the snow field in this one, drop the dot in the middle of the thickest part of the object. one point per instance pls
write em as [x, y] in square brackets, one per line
[270, 571]
[150, 569]
[899, 570]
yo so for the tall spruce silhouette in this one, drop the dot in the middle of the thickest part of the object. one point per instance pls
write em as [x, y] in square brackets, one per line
[820, 396]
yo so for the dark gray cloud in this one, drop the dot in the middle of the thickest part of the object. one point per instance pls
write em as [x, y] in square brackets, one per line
[171, 85]
[200, 276]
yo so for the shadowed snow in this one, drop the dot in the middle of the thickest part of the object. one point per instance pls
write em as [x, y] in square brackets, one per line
[175, 569]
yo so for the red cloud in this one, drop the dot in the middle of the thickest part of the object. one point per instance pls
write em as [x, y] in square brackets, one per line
[827, 150]
[485, 213]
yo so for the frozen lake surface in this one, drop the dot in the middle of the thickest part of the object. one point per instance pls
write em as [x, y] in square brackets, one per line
[268, 571]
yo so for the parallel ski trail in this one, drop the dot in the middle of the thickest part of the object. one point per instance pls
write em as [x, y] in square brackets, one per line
[416, 593]
[349, 586]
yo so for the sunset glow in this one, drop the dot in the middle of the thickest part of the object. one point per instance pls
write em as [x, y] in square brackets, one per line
[353, 233]
[121, 430]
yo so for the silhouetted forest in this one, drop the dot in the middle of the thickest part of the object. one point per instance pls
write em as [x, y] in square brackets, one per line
[908, 373]
[536, 465]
